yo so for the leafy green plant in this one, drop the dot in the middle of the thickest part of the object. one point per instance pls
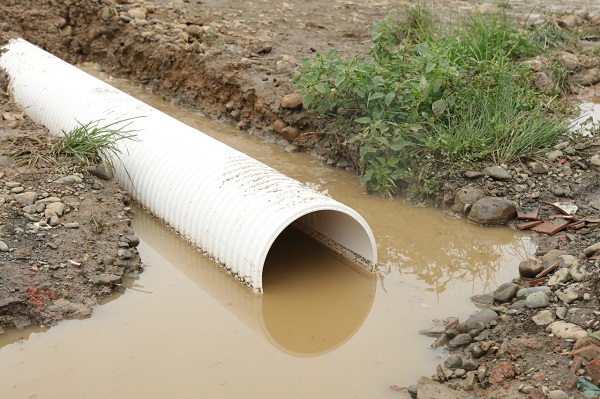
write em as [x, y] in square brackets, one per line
[416, 94]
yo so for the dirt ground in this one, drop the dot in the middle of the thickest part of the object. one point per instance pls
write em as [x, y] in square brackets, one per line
[234, 61]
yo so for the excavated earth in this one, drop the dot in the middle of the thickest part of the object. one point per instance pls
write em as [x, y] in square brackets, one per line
[65, 241]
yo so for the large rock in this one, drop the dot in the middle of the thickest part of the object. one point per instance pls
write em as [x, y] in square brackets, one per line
[466, 197]
[26, 198]
[429, 389]
[562, 329]
[485, 316]
[291, 101]
[491, 211]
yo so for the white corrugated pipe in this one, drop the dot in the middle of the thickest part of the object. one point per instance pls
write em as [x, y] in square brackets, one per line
[220, 200]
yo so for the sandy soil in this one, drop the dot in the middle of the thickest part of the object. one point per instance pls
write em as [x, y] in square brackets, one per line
[234, 61]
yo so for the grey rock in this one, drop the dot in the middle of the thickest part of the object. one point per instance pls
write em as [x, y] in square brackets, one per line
[459, 373]
[137, 13]
[543, 318]
[27, 198]
[485, 316]
[497, 173]
[523, 293]
[587, 77]
[472, 174]
[470, 365]
[71, 179]
[460, 340]
[103, 171]
[561, 312]
[453, 362]
[3, 247]
[530, 267]
[4, 160]
[131, 240]
[491, 211]
[466, 196]
[506, 292]
[537, 300]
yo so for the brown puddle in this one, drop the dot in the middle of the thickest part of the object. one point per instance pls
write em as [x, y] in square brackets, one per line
[322, 328]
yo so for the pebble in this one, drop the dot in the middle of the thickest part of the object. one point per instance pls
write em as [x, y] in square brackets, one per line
[71, 179]
[453, 362]
[552, 156]
[497, 173]
[530, 267]
[565, 330]
[291, 101]
[72, 225]
[543, 318]
[131, 240]
[567, 297]
[506, 292]
[559, 277]
[537, 300]
[3, 247]
[523, 293]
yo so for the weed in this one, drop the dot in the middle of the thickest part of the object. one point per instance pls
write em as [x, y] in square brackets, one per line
[96, 225]
[415, 94]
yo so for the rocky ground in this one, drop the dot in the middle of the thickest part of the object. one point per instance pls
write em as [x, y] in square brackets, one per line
[64, 236]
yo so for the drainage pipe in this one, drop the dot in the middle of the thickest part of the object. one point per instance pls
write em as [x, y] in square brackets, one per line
[220, 200]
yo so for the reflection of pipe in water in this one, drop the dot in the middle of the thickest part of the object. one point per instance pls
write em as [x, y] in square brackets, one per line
[312, 302]
[219, 199]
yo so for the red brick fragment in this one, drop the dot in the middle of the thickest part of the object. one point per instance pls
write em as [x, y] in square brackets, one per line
[532, 214]
[588, 352]
[593, 371]
[576, 226]
[576, 365]
[551, 227]
[528, 225]
[502, 371]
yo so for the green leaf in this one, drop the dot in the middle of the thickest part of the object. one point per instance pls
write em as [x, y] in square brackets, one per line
[321, 88]
[439, 106]
[364, 119]
[375, 96]
[389, 98]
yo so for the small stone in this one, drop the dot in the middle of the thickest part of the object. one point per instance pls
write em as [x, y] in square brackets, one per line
[290, 133]
[530, 267]
[57, 208]
[3, 247]
[103, 171]
[506, 292]
[459, 373]
[524, 292]
[470, 381]
[587, 77]
[572, 21]
[537, 300]
[460, 340]
[292, 101]
[131, 240]
[453, 362]
[561, 312]
[72, 225]
[278, 125]
[470, 365]
[497, 173]
[27, 198]
[466, 196]
[72, 179]
[137, 13]
[472, 174]
[570, 62]
[543, 318]
[485, 316]
[125, 254]
[106, 279]
[538, 168]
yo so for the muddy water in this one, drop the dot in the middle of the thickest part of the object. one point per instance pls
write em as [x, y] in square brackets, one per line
[321, 330]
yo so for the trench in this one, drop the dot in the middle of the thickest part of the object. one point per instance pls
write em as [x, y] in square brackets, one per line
[322, 329]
